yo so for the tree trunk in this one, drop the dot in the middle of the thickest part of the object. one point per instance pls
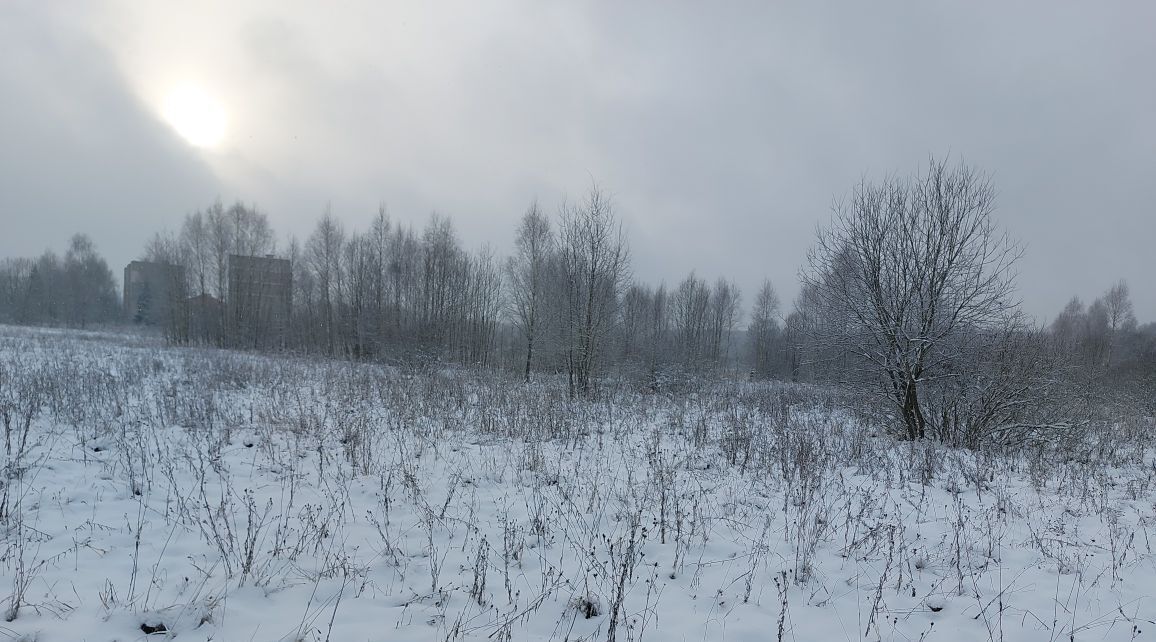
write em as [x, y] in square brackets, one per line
[912, 413]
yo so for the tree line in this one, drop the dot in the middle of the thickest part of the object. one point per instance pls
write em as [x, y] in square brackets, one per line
[564, 303]
[908, 295]
[77, 289]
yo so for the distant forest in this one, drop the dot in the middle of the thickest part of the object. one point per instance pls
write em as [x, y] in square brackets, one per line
[77, 290]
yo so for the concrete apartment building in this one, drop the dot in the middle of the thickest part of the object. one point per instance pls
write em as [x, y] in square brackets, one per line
[153, 292]
[259, 300]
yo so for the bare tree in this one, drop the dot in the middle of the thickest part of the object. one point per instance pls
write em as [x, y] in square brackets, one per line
[915, 274]
[251, 234]
[596, 269]
[1069, 326]
[15, 279]
[725, 300]
[377, 247]
[636, 304]
[1120, 317]
[196, 250]
[221, 244]
[172, 300]
[323, 255]
[528, 278]
[763, 331]
[404, 267]
[356, 295]
[690, 309]
[481, 309]
[646, 332]
[90, 287]
[46, 281]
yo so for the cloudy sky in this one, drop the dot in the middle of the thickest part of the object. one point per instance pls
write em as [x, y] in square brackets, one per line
[723, 130]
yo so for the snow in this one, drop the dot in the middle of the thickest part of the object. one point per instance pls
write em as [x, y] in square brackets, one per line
[230, 496]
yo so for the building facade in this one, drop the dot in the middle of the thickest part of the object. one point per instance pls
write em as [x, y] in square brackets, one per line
[259, 300]
[153, 292]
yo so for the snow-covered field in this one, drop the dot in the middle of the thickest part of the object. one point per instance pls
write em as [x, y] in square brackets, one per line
[209, 495]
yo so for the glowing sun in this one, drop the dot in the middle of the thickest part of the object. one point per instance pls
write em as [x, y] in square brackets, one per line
[196, 116]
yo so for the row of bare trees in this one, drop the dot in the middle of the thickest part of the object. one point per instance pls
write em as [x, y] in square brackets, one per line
[363, 295]
[1095, 335]
[1106, 349]
[77, 289]
[391, 291]
[564, 302]
[195, 310]
[572, 301]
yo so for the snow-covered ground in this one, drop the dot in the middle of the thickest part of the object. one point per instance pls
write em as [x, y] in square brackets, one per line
[209, 495]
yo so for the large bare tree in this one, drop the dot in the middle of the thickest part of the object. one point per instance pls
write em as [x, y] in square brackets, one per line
[914, 273]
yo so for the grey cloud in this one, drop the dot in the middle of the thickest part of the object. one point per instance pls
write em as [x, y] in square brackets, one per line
[79, 153]
[724, 132]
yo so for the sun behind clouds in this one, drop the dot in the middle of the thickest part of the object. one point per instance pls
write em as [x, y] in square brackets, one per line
[196, 116]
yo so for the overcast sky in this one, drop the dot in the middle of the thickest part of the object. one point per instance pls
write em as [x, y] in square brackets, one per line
[723, 130]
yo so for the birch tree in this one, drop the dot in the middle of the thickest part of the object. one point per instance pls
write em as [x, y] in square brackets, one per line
[596, 268]
[528, 279]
